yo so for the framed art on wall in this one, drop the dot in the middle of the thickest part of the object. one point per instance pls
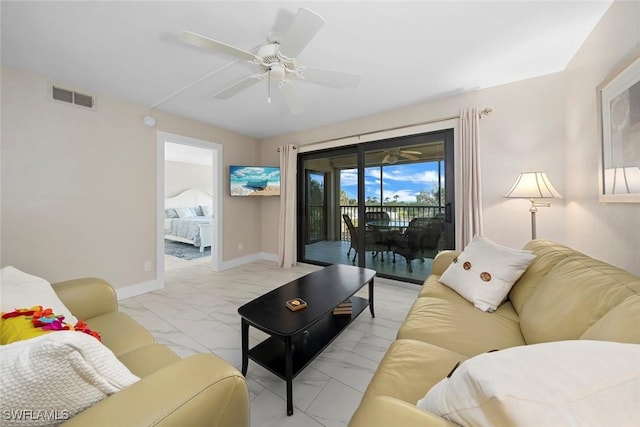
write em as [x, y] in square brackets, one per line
[619, 126]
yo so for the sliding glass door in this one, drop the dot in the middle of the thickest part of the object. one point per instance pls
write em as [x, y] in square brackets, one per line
[385, 205]
[322, 234]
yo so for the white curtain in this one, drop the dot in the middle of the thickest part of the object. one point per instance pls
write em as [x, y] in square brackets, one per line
[470, 209]
[287, 220]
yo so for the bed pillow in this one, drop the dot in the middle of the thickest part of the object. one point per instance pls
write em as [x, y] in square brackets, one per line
[562, 383]
[186, 212]
[61, 374]
[205, 210]
[170, 213]
[485, 272]
[22, 290]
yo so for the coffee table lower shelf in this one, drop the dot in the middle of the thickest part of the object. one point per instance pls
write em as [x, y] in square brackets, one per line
[271, 353]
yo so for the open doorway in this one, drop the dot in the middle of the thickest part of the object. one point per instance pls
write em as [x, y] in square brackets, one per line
[189, 202]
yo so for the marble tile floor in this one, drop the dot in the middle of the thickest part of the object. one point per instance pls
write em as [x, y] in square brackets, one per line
[196, 312]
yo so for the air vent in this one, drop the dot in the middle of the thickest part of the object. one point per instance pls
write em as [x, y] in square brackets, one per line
[68, 96]
[63, 95]
[83, 100]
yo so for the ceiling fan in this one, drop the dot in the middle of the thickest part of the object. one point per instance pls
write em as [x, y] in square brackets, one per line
[394, 155]
[277, 58]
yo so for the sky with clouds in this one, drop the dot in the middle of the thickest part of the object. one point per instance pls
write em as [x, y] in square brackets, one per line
[405, 181]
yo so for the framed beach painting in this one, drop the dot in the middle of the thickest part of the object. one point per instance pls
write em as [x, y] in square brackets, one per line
[619, 126]
[254, 180]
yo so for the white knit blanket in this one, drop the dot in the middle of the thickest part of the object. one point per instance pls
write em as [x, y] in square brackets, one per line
[48, 379]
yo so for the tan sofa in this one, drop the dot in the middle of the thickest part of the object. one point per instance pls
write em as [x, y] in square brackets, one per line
[563, 295]
[200, 390]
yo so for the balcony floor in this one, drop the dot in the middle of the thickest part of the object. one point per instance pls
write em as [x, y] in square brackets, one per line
[335, 252]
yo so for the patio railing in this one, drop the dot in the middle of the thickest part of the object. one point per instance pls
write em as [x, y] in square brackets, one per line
[317, 230]
[396, 213]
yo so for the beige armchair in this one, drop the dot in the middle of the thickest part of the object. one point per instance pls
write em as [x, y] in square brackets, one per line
[200, 390]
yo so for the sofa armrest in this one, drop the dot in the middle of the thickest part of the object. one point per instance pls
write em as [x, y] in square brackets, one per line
[88, 297]
[201, 390]
[385, 411]
[442, 261]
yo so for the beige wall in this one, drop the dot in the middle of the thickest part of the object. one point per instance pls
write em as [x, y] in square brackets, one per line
[609, 231]
[180, 176]
[79, 187]
[525, 132]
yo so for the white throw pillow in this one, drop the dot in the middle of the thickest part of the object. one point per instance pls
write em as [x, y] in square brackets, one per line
[22, 290]
[563, 383]
[49, 379]
[485, 272]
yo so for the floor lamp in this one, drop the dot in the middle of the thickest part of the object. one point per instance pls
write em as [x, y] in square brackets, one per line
[533, 186]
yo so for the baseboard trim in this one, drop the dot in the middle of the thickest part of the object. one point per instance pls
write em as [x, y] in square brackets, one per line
[154, 285]
[138, 289]
[269, 257]
[236, 262]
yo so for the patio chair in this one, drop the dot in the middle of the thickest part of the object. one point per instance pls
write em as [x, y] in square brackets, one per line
[422, 235]
[432, 235]
[376, 216]
[373, 240]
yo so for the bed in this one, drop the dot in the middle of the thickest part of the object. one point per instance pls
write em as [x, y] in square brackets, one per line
[187, 218]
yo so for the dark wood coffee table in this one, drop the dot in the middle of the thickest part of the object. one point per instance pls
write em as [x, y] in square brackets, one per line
[297, 337]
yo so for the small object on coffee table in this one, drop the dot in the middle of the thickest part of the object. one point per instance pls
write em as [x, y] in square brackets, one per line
[296, 304]
[345, 308]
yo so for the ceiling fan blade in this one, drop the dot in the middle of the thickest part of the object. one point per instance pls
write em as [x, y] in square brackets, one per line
[386, 158]
[328, 78]
[291, 98]
[409, 156]
[207, 43]
[411, 152]
[281, 25]
[304, 27]
[239, 86]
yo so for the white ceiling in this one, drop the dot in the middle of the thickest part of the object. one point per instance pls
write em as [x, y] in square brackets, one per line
[176, 152]
[406, 52]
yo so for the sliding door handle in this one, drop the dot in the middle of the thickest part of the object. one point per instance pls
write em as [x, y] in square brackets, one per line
[447, 213]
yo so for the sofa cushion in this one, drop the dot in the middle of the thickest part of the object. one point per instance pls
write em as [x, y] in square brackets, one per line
[432, 287]
[461, 327]
[548, 254]
[485, 272]
[145, 360]
[616, 324]
[120, 332]
[410, 368]
[563, 383]
[22, 290]
[575, 294]
[62, 373]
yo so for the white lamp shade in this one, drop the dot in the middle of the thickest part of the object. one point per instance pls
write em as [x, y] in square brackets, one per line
[622, 180]
[533, 185]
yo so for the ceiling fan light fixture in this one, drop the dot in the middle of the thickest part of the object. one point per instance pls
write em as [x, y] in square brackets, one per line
[277, 72]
